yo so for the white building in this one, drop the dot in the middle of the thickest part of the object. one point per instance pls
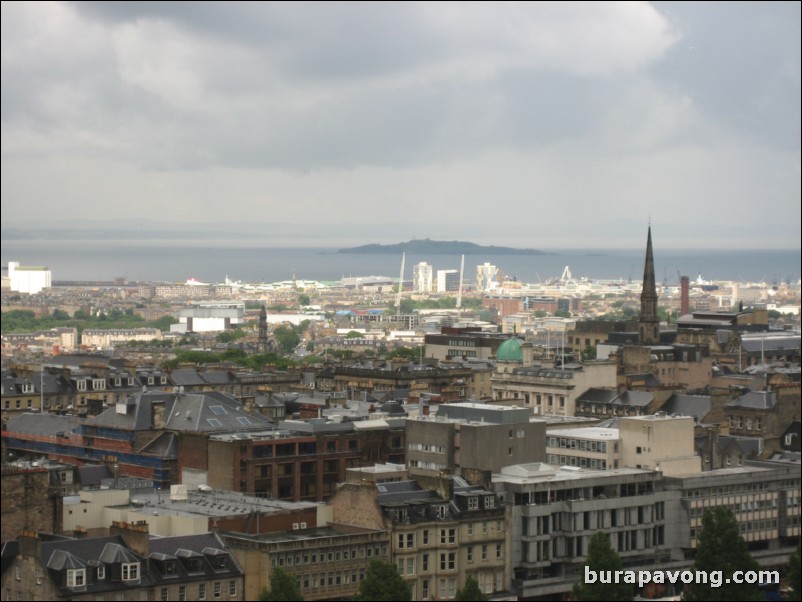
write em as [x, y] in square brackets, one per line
[447, 281]
[210, 317]
[27, 279]
[422, 278]
[103, 339]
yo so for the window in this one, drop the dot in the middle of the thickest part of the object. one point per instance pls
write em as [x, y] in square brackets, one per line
[218, 589]
[490, 502]
[448, 561]
[448, 536]
[101, 573]
[130, 571]
[499, 550]
[425, 589]
[473, 503]
[470, 553]
[484, 551]
[76, 577]
[425, 563]
[410, 566]
[182, 593]
[426, 537]
[165, 594]
[232, 587]
[201, 591]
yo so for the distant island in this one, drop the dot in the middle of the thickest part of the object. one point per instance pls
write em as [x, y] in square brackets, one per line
[426, 246]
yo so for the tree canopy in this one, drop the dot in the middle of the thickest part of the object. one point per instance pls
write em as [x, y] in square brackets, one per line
[470, 591]
[601, 560]
[383, 582]
[283, 586]
[721, 548]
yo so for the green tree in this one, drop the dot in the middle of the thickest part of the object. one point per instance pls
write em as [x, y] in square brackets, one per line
[283, 586]
[60, 314]
[383, 582]
[229, 336]
[602, 559]
[286, 338]
[470, 591]
[304, 299]
[793, 576]
[721, 548]
[353, 334]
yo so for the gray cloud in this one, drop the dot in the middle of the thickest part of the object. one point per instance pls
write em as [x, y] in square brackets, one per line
[539, 113]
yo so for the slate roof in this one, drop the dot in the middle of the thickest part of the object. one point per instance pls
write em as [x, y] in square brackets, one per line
[44, 424]
[697, 406]
[187, 377]
[611, 396]
[210, 411]
[61, 554]
[598, 395]
[92, 476]
[758, 400]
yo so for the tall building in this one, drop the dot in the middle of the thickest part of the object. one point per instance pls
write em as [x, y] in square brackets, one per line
[486, 275]
[447, 281]
[422, 278]
[649, 322]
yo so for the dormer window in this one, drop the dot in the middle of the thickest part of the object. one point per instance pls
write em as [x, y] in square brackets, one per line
[117, 382]
[151, 380]
[473, 503]
[130, 571]
[163, 380]
[169, 568]
[76, 577]
[81, 384]
[490, 502]
[130, 382]
[101, 573]
[27, 388]
[98, 384]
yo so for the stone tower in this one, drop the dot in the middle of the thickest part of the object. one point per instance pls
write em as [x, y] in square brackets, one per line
[649, 322]
[262, 344]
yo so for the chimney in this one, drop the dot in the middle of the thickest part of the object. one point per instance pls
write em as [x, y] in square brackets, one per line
[136, 535]
[685, 301]
[159, 410]
[29, 544]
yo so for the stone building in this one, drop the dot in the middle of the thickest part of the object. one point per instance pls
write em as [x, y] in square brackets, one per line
[126, 565]
[439, 535]
[473, 440]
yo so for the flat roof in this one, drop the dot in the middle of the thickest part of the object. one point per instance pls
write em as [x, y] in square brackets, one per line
[211, 503]
[597, 433]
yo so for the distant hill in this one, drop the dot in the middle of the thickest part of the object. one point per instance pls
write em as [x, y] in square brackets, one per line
[427, 246]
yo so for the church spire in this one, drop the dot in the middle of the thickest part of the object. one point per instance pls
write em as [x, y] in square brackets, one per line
[649, 322]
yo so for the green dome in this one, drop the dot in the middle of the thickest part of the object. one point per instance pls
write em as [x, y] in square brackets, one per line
[510, 351]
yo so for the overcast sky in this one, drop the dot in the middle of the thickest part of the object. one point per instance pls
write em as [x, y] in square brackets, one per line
[538, 124]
